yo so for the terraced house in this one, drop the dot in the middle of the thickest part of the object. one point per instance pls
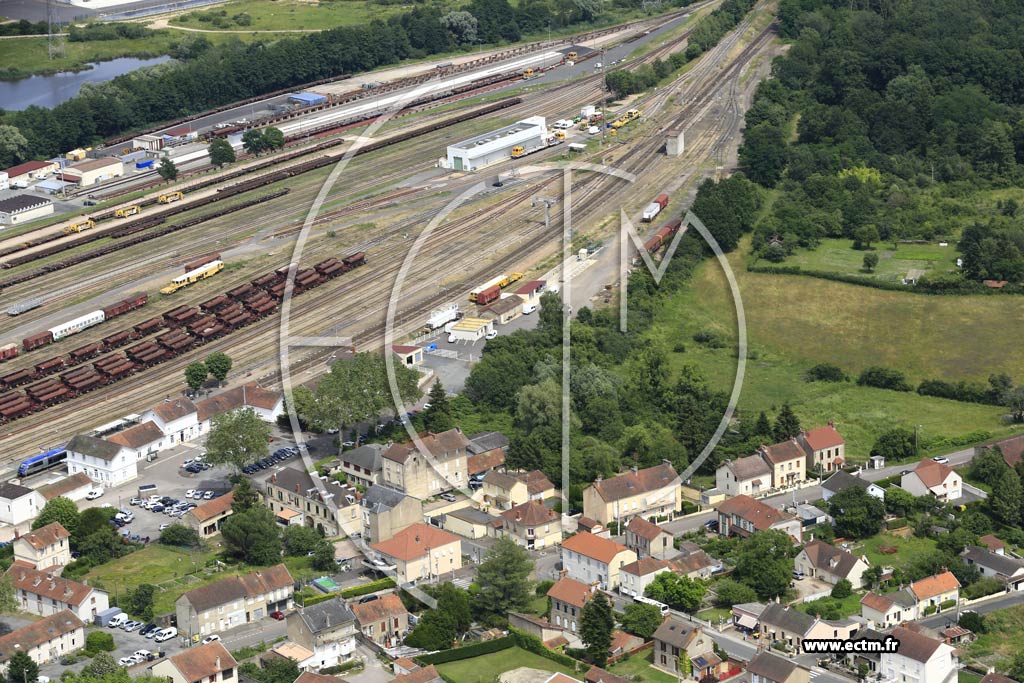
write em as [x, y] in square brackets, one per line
[595, 560]
[44, 593]
[227, 603]
[45, 640]
[652, 492]
[743, 516]
[47, 548]
[295, 498]
[327, 630]
[406, 469]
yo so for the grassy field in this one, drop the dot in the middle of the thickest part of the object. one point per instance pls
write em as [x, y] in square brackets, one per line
[837, 256]
[640, 665]
[796, 322]
[287, 15]
[486, 668]
[909, 549]
[848, 606]
[1004, 639]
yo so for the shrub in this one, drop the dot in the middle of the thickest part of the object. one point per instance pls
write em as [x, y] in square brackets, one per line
[474, 650]
[98, 641]
[982, 587]
[368, 588]
[543, 587]
[883, 378]
[342, 668]
[946, 604]
[826, 372]
[930, 609]
[710, 339]
[842, 589]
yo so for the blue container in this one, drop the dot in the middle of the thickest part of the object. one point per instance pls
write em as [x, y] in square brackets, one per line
[148, 163]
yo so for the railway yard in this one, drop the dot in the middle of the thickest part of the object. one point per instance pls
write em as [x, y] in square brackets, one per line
[251, 218]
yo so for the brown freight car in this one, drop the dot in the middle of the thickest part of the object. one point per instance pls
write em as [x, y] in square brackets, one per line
[149, 326]
[86, 352]
[200, 324]
[215, 304]
[119, 339]
[16, 410]
[201, 261]
[121, 307]
[240, 291]
[181, 316]
[18, 378]
[37, 340]
[355, 260]
[266, 281]
[48, 367]
[115, 372]
[56, 395]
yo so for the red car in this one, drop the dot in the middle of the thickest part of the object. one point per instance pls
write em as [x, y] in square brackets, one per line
[277, 615]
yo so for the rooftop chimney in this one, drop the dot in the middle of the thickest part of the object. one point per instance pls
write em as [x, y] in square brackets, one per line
[217, 665]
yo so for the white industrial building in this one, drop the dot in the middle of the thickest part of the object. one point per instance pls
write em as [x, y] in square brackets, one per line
[4, 180]
[496, 146]
[22, 208]
[92, 171]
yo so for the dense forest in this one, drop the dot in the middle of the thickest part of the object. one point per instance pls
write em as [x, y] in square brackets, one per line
[882, 117]
[206, 75]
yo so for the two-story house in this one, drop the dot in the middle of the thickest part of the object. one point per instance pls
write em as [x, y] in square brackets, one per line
[743, 516]
[293, 496]
[45, 640]
[695, 565]
[502, 491]
[43, 593]
[266, 404]
[421, 552]
[384, 621]
[790, 626]
[327, 629]
[676, 636]
[825, 449]
[891, 609]
[568, 597]
[486, 452]
[19, 504]
[747, 476]
[592, 559]
[820, 560]
[788, 462]
[538, 486]
[652, 492]
[177, 418]
[143, 440]
[766, 667]
[1007, 569]
[636, 576]
[649, 540]
[386, 512]
[919, 659]
[933, 478]
[842, 480]
[443, 469]
[208, 518]
[103, 461]
[209, 663]
[47, 548]
[934, 591]
[236, 600]
[532, 525]
[363, 465]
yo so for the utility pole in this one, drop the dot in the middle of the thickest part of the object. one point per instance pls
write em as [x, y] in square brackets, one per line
[548, 203]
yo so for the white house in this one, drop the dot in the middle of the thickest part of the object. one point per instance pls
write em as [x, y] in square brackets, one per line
[44, 593]
[636, 576]
[47, 548]
[843, 480]
[930, 477]
[142, 440]
[820, 560]
[102, 461]
[45, 640]
[592, 559]
[327, 629]
[995, 565]
[177, 418]
[268, 405]
[18, 504]
[744, 476]
[919, 659]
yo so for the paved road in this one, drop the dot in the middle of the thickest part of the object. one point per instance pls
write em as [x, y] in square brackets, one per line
[994, 604]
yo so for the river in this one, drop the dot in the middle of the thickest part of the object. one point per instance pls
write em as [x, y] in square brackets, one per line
[49, 91]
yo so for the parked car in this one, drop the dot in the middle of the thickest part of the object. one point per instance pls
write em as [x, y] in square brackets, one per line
[449, 497]
[165, 634]
[94, 494]
[941, 459]
[145, 654]
[279, 616]
[491, 335]
[157, 508]
[146, 630]
[210, 638]
[135, 501]
[191, 493]
[127, 661]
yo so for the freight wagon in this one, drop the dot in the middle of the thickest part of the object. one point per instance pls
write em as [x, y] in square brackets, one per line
[201, 261]
[655, 207]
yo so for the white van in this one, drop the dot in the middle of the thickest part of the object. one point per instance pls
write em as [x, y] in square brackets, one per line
[166, 634]
[529, 308]
[118, 621]
[593, 130]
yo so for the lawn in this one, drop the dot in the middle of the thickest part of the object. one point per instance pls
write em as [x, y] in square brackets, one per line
[848, 606]
[794, 323]
[838, 256]
[487, 668]
[1004, 639]
[640, 665]
[909, 549]
[287, 15]
[713, 614]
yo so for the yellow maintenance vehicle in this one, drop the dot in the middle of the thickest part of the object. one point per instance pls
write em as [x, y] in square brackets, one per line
[518, 151]
[128, 211]
[87, 224]
[528, 74]
[171, 197]
[572, 56]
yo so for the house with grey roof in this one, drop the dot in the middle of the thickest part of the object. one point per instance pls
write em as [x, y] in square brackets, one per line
[362, 465]
[324, 504]
[766, 667]
[842, 480]
[486, 452]
[790, 626]
[387, 511]
[919, 659]
[675, 637]
[103, 461]
[820, 560]
[1007, 569]
[743, 476]
[19, 504]
[469, 522]
[233, 601]
[327, 629]
[441, 468]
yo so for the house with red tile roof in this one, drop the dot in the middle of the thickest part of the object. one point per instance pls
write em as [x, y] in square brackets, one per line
[743, 516]
[825, 449]
[209, 663]
[208, 518]
[592, 559]
[236, 600]
[421, 552]
[636, 576]
[48, 548]
[44, 593]
[44, 640]
[568, 597]
[933, 478]
[532, 525]
[651, 492]
[424, 475]
[649, 540]
[787, 460]
[935, 590]
[1011, 448]
[384, 620]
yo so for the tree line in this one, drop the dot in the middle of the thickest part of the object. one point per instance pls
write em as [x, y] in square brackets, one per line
[206, 75]
[888, 117]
